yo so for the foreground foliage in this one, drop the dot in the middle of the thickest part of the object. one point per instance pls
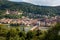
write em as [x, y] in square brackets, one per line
[16, 34]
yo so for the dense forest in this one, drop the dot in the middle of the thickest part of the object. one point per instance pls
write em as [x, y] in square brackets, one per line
[27, 8]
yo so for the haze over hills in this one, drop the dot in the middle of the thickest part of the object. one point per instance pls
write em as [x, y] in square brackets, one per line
[41, 2]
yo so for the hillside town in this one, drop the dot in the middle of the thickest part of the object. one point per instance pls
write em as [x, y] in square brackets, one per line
[35, 21]
[44, 22]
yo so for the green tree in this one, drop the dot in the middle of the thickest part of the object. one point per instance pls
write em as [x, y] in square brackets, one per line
[29, 35]
[22, 34]
[52, 33]
[3, 31]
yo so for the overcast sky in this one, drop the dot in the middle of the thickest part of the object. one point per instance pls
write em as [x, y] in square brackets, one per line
[41, 2]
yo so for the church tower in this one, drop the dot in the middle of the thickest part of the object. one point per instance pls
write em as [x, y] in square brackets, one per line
[7, 12]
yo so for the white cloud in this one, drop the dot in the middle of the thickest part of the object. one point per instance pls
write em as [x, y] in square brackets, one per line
[16, 0]
[42, 2]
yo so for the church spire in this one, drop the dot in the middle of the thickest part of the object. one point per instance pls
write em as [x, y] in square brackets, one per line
[7, 12]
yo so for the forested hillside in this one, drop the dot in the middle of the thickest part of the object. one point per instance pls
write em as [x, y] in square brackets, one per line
[28, 8]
